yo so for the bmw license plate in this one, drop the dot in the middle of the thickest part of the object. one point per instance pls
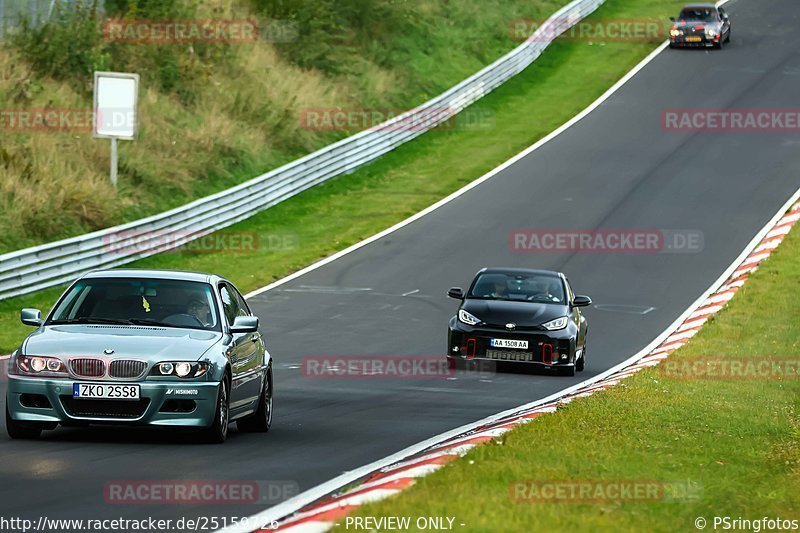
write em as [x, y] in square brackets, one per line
[104, 391]
[509, 343]
[694, 39]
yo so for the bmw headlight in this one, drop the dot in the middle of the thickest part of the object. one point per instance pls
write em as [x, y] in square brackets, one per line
[710, 33]
[467, 318]
[182, 369]
[37, 365]
[675, 32]
[558, 323]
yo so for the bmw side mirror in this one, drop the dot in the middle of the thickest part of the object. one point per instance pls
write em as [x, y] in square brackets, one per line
[581, 301]
[31, 317]
[456, 292]
[245, 324]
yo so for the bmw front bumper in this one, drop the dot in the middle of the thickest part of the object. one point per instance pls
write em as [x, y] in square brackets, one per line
[161, 403]
[685, 41]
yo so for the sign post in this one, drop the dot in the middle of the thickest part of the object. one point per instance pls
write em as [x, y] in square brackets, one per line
[115, 111]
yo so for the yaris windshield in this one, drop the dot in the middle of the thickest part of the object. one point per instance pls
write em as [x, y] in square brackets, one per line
[534, 288]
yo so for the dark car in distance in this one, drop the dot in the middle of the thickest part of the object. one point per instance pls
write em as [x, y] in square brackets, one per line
[700, 25]
[529, 317]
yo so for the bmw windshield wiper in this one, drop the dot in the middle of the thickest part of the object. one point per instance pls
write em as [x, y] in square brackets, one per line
[150, 322]
[92, 320]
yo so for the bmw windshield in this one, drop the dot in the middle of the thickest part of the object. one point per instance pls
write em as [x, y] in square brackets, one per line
[155, 302]
[698, 15]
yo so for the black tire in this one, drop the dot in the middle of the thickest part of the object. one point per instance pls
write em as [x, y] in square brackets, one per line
[21, 430]
[728, 38]
[218, 432]
[581, 363]
[261, 420]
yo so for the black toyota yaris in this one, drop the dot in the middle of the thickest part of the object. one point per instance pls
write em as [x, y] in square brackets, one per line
[519, 316]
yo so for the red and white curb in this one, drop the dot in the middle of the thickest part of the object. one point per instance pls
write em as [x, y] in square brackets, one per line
[323, 513]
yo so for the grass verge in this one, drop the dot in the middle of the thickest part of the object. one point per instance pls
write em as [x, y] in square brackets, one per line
[729, 446]
[214, 114]
[337, 214]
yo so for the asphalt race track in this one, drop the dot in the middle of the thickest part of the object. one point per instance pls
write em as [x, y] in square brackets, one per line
[617, 169]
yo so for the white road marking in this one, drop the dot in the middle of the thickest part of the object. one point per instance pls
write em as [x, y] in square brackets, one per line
[623, 308]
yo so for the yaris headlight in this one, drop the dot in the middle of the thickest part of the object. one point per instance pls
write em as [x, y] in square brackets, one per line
[468, 318]
[558, 323]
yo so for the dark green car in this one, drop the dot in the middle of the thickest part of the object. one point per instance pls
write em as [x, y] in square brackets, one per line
[142, 348]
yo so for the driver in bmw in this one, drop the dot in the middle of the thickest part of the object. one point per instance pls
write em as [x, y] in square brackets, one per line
[199, 309]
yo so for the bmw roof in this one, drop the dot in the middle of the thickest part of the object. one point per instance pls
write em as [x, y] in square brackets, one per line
[153, 274]
[522, 271]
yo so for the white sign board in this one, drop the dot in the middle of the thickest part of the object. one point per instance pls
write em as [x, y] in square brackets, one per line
[115, 96]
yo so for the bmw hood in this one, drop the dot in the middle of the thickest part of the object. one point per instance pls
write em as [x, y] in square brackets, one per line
[526, 314]
[695, 25]
[127, 341]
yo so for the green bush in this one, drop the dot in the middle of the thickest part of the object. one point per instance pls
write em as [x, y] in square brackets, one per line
[68, 47]
[333, 34]
[71, 45]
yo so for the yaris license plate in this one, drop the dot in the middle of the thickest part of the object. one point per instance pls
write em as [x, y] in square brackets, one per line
[509, 343]
[96, 391]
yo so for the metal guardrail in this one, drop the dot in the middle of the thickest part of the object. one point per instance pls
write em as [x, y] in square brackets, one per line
[56, 263]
